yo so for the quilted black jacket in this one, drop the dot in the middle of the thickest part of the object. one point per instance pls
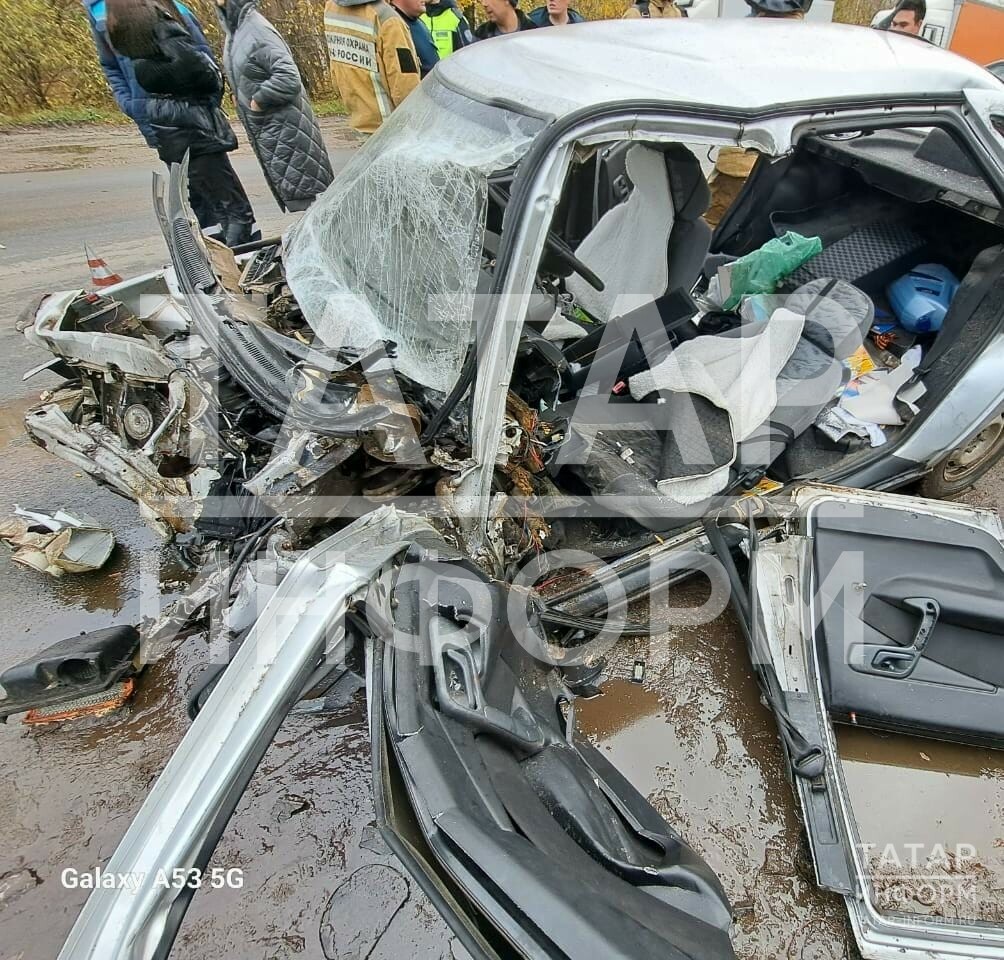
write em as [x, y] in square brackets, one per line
[185, 88]
[283, 130]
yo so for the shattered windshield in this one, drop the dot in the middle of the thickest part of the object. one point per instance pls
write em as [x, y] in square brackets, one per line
[391, 251]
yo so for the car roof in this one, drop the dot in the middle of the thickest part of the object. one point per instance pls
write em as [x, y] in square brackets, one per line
[747, 66]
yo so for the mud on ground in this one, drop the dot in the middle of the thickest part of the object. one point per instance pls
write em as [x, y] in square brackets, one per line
[318, 881]
[41, 149]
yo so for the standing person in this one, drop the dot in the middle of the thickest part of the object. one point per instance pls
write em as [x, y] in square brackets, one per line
[273, 106]
[411, 11]
[373, 60]
[733, 165]
[129, 95]
[185, 89]
[555, 13]
[652, 9]
[448, 26]
[503, 17]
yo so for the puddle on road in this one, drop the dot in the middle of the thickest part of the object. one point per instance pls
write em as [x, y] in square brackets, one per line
[37, 610]
[931, 817]
[317, 883]
[695, 739]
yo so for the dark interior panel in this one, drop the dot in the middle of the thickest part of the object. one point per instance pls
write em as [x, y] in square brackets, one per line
[910, 622]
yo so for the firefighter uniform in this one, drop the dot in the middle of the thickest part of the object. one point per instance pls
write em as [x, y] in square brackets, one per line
[373, 60]
[652, 9]
[732, 169]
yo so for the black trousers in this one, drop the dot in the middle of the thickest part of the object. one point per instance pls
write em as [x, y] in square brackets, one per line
[218, 197]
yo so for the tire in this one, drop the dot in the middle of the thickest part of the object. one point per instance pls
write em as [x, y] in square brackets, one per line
[966, 464]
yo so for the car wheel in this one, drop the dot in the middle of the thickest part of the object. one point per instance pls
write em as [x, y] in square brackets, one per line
[966, 464]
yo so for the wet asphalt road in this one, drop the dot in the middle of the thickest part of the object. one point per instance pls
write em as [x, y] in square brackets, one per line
[317, 881]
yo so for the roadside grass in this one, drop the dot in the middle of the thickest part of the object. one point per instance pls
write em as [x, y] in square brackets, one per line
[63, 117]
[72, 116]
[329, 107]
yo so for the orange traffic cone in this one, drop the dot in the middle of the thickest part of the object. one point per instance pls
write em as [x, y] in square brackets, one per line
[101, 275]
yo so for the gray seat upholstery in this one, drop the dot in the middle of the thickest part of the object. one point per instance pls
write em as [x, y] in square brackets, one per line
[838, 318]
[655, 241]
[690, 238]
[624, 455]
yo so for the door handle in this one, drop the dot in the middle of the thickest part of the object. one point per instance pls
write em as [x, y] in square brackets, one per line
[900, 661]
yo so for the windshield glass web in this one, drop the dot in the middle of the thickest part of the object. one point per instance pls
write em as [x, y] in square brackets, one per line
[391, 251]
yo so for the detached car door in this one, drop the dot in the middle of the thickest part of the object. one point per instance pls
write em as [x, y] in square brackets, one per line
[886, 612]
[527, 840]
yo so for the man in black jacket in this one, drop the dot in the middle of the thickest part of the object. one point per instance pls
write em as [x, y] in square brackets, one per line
[503, 17]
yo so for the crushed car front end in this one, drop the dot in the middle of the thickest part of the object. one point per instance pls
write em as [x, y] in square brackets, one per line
[285, 397]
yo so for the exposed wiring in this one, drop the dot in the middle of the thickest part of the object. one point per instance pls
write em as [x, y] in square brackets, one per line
[248, 548]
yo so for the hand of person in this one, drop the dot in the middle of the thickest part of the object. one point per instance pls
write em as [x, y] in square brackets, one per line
[254, 105]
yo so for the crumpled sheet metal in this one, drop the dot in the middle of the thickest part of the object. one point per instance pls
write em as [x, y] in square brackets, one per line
[188, 806]
[96, 450]
[392, 249]
[131, 355]
[57, 544]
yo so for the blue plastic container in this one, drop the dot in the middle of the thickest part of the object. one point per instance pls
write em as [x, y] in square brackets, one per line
[921, 298]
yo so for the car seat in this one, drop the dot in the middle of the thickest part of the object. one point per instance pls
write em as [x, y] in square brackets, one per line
[625, 450]
[655, 240]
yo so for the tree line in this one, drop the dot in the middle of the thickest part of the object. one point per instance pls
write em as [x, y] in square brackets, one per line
[47, 58]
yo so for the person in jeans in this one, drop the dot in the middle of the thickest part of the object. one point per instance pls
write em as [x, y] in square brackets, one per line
[184, 88]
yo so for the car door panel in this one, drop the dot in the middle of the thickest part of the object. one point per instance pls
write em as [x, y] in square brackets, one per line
[849, 577]
[915, 640]
[530, 841]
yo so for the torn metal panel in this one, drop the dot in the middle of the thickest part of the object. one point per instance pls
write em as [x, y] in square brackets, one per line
[57, 544]
[94, 449]
[185, 812]
[66, 325]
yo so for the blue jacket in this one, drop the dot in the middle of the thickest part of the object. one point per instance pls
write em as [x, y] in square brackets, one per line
[425, 46]
[539, 17]
[129, 95]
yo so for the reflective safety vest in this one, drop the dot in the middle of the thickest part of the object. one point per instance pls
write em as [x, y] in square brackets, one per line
[442, 26]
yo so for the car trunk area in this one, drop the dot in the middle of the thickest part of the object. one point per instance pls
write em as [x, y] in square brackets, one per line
[882, 203]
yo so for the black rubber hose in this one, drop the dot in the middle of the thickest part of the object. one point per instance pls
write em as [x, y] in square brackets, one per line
[738, 595]
[454, 397]
[255, 245]
[248, 548]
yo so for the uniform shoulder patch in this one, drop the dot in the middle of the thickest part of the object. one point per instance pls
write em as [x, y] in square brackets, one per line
[406, 60]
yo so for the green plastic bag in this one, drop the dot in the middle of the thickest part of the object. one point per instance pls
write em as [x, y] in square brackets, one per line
[760, 271]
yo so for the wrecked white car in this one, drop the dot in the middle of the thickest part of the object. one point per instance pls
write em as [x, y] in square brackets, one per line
[507, 315]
